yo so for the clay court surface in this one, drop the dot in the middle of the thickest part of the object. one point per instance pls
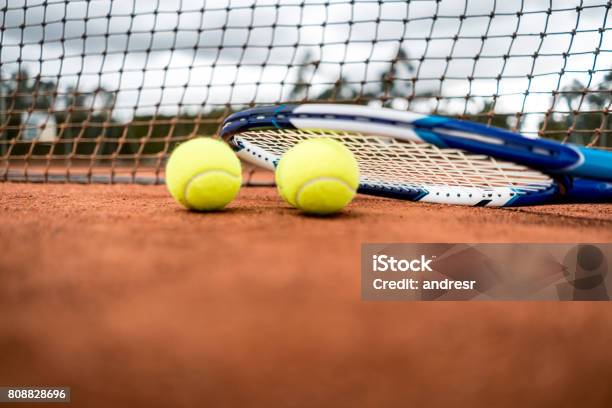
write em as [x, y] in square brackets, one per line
[130, 300]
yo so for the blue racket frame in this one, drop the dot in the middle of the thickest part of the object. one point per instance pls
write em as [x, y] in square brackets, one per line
[574, 168]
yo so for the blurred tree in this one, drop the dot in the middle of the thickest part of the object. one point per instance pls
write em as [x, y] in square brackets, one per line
[488, 116]
[16, 99]
[306, 70]
[604, 96]
[3, 115]
[72, 120]
[43, 93]
[22, 97]
[602, 100]
[153, 134]
[394, 82]
[86, 120]
[342, 90]
[102, 126]
[585, 109]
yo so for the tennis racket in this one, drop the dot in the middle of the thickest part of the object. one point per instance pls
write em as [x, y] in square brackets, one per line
[429, 158]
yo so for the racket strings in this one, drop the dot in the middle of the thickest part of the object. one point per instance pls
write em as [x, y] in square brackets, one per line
[390, 163]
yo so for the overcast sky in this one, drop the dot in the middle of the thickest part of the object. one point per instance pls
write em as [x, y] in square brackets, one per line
[220, 43]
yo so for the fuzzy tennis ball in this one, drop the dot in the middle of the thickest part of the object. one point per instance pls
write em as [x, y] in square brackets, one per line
[318, 176]
[203, 174]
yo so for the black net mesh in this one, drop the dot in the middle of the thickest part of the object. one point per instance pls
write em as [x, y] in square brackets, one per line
[94, 90]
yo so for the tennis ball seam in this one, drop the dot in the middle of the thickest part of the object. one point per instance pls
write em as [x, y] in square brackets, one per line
[317, 179]
[202, 173]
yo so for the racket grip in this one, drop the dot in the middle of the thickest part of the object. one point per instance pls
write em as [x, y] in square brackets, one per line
[590, 191]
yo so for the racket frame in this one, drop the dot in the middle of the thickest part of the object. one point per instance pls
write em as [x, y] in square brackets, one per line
[556, 159]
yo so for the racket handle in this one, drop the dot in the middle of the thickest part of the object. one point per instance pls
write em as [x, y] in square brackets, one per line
[589, 191]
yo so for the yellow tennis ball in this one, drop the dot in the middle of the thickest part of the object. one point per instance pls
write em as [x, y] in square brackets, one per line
[318, 176]
[203, 174]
